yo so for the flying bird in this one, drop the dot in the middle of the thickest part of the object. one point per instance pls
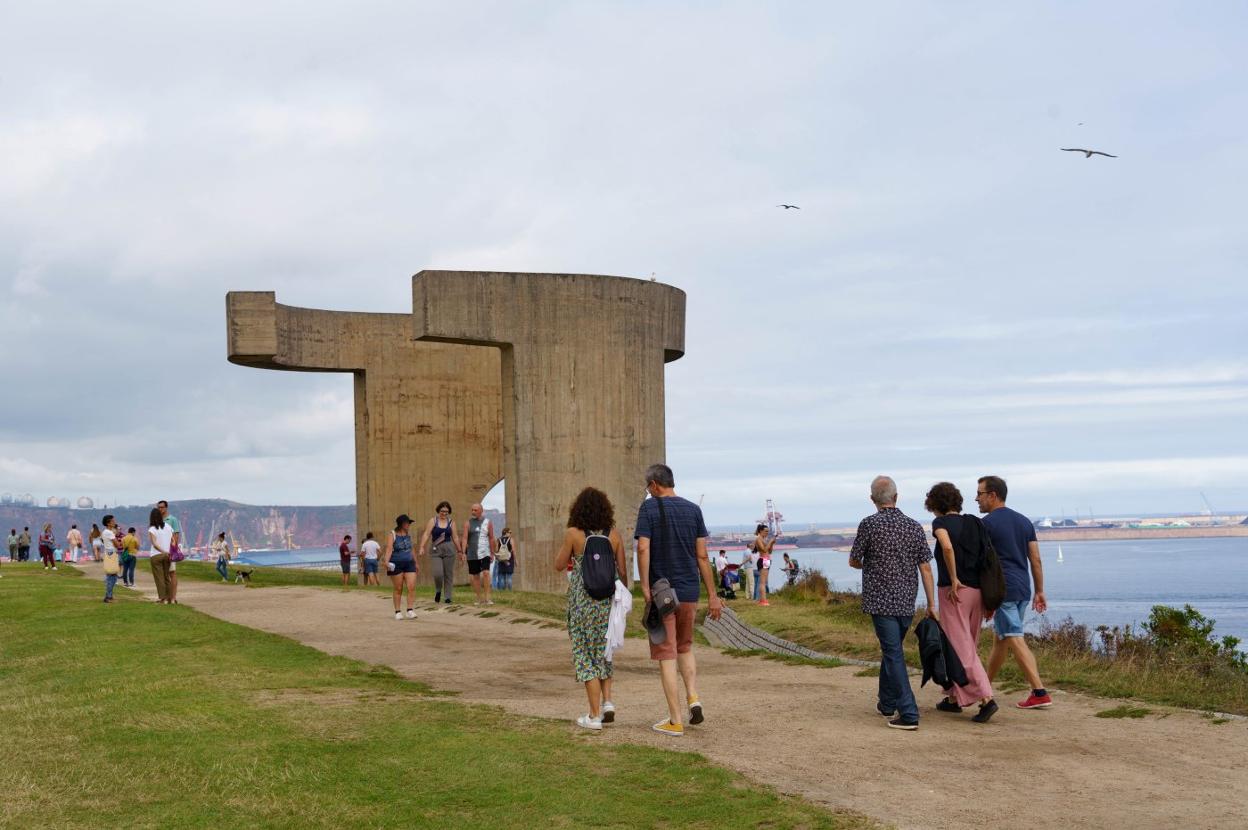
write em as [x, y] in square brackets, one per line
[789, 207]
[1087, 154]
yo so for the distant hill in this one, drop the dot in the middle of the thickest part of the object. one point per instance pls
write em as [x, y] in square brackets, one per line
[252, 526]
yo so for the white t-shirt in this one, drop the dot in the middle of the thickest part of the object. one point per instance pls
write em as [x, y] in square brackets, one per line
[163, 537]
[371, 549]
[721, 562]
[110, 541]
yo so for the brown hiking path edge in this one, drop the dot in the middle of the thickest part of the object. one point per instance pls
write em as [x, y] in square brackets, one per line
[803, 730]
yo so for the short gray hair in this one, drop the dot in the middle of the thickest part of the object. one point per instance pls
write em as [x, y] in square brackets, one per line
[660, 474]
[883, 491]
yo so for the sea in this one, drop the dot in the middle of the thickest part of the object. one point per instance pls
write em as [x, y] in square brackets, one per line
[1101, 582]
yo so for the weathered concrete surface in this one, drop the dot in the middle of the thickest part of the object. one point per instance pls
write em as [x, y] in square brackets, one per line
[428, 423]
[582, 387]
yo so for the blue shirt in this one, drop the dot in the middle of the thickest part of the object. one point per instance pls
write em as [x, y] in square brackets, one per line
[673, 548]
[1010, 532]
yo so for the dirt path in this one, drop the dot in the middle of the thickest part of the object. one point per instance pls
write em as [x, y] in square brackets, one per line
[804, 730]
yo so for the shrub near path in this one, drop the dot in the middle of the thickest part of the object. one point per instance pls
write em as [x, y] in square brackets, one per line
[807, 730]
[139, 715]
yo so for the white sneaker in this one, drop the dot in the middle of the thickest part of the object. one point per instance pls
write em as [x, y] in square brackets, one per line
[608, 712]
[586, 722]
[489, 602]
[54, 567]
[411, 614]
[398, 615]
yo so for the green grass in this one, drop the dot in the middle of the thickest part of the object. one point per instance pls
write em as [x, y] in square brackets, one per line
[837, 626]
[1125, 711]
[140, 715]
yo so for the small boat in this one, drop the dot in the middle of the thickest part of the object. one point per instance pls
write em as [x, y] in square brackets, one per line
[1059, 553]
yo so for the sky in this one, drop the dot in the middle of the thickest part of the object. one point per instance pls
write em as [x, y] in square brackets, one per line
[955, 297]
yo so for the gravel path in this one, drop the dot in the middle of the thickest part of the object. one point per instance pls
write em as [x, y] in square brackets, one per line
[803, 730]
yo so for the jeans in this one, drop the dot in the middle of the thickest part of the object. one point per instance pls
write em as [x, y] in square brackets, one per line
[127, 570]
[504, 581]
[110, 580]
[221, 569]
[895, 692]
[758, 584]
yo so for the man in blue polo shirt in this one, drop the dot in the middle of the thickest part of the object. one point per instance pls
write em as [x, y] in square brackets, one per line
[1014, 537]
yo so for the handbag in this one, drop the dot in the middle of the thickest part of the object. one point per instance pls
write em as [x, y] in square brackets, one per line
[175, 553]
[991, 577]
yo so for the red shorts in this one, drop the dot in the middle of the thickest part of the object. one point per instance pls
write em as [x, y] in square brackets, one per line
[679, 627]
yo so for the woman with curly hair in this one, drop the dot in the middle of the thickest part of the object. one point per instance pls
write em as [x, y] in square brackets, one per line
[591, 517]
[961, 545]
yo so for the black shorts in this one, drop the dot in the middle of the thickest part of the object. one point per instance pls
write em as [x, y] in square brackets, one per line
[478, 566]
[346, 565]
[405, 566]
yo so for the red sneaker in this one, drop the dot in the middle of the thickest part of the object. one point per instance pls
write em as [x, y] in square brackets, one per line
[1034, 702]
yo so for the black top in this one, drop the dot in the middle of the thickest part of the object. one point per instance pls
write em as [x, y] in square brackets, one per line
[967, 535]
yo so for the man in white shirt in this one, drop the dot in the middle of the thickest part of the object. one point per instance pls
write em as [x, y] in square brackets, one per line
[370, 550]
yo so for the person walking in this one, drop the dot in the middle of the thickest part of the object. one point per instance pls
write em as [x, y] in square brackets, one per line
[12, 544]
[344, 560]
[763, 547]
[478, 552]
[591, 522]
[221, 552]
[505, 560]
[1014, 538]
[47, 547]
[401, 566]
[112, 562]
[671, 544]
[441, 539]
[160, 537]
[961, 545]
[129, 557]
[73, 543]
[890, 549]
[97, 546]
[175, 548]
[791, 570]
[370, 550]
[23, 545]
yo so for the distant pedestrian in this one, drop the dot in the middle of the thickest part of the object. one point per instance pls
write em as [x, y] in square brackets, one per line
[176, 553]
[671, 544]
[791, 570]
[478, 552]
[112, 562]
[505, 560]
[97, 546]
[721, 565]
[344, 560]
[961, 546]
[441, 539]
[23, 545]
[129, 557]
[891, 550]
[47, 547]
[13, 544]
[73, 543]
[1014, 537]
[160, 538]
[371, 551]
[763, 546]
[400, 563]
[591, 530]
[221, 552]
[748, 570]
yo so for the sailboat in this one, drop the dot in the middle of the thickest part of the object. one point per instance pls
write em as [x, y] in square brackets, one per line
[1059, 553]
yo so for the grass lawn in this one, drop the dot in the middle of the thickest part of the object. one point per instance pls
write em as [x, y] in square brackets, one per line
[140, 715]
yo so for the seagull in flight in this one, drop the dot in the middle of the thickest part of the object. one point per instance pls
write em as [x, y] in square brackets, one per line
[1087, 154]
[789, 207]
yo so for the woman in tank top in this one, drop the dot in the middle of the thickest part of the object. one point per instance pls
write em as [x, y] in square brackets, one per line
[442, 541]
[400, 563]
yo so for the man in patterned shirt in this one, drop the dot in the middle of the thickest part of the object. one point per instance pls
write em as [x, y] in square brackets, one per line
[891, 550]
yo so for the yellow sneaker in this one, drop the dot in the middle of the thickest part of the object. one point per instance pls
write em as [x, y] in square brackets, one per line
[666, 727]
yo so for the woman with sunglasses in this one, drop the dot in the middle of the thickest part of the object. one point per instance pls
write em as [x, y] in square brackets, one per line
[441, 534]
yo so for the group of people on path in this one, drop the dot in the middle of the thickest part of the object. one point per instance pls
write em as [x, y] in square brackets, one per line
[891, 550]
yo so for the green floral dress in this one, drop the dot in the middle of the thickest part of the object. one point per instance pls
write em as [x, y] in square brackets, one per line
[587, 626]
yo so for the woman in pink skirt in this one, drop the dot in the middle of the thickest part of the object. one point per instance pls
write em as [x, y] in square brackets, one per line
[961, 543]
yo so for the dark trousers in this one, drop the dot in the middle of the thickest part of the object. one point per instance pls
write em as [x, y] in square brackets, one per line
[895, 691]
[23, 553]
[127, 570]
[48, 556]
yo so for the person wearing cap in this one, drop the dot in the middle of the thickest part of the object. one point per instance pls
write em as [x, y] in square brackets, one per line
[400, 563]
[671, 545]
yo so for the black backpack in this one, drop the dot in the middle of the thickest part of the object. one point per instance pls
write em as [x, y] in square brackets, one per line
[991, 577]
[598, 567]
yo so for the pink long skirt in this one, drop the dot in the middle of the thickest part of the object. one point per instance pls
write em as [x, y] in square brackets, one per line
[961, 622]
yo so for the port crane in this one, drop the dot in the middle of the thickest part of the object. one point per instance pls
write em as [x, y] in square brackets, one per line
[772, 518]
